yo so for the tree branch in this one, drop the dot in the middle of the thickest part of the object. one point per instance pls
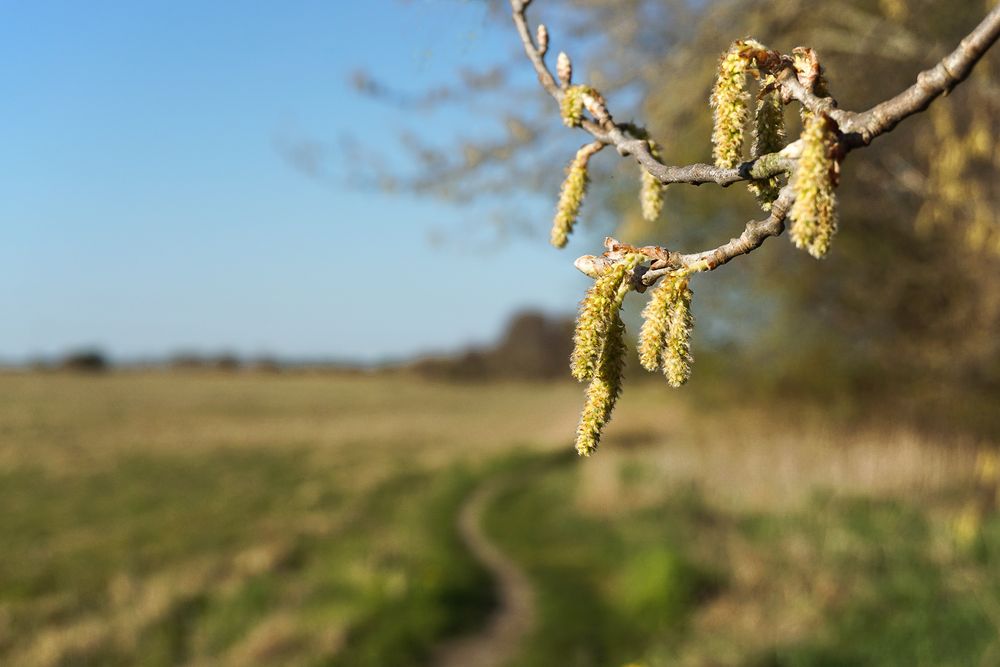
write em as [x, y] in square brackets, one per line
[608, 132]
[856, 130]
[931, 84]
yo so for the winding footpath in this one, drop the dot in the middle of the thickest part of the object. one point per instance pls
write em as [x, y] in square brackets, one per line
[498, 641]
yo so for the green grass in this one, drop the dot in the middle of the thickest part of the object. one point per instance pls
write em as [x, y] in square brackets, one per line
[910, 604]
[445, 593]
[605, 586]
[199, 551]
[211, 519]
[204, 519]
[876, 582]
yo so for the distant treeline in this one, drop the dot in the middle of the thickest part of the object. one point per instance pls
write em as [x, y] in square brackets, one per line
[97, 361]
[533, 346]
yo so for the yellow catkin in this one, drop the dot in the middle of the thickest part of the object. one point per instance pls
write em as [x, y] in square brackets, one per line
[574, 189]
[768, 137]
[664, 341]
[653, 334]
[651, 192]
[814, 213]
[571, 106]
[676, 355]
[603, 390]
[729, 105]
[597, 312]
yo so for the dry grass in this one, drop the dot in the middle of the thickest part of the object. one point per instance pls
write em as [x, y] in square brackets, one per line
[65, 422]
[747, 461]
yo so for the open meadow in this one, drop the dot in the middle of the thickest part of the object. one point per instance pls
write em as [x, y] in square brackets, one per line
[201, 518]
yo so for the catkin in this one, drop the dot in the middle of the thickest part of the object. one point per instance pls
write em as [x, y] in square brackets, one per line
[603, 390]
[652, 335]
[651, 191]
[572, 104]
[664, 340]
[571, 195]
[597, 312]
[814, 213]
[729, 108]
[676, 356]
[768, 137]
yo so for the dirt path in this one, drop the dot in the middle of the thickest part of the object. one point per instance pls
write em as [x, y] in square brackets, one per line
[497, 642]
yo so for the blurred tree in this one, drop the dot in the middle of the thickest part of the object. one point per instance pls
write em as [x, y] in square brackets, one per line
[534, 346]
[85, 361]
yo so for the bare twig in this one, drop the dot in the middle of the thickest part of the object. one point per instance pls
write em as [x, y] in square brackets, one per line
[544, 76]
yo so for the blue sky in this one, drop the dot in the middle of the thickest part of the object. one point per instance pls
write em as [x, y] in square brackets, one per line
[146, 206]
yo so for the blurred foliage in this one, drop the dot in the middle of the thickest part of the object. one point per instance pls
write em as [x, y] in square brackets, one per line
[84, 361]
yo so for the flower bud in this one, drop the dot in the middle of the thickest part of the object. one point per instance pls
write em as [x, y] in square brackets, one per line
[542, 39]
[564, 69]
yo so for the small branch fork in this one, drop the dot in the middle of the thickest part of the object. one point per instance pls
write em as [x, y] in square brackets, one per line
[855, 130]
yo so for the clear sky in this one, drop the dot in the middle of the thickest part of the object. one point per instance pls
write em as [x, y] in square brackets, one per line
[146, 206]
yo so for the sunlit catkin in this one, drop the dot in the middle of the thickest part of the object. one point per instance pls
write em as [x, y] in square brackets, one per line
[729, 105]
[814, 213]
[653, 334]
[651, 191]
[676, 356]
[574, 189]
[571, 106]
[604, 388]
[664, 340]
[597, 312]
[768, 137]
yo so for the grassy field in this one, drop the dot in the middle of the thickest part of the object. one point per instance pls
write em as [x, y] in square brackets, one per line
[244, 519]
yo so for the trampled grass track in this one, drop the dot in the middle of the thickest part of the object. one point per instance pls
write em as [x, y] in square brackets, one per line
[498, 641]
